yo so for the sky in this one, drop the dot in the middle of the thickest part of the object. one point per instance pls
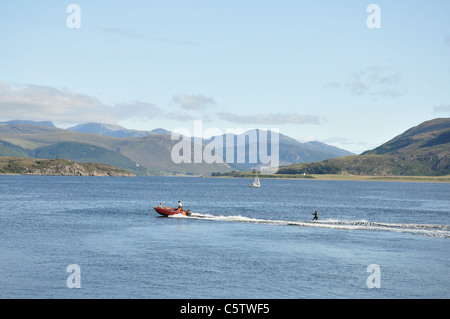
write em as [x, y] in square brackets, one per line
[315, 70]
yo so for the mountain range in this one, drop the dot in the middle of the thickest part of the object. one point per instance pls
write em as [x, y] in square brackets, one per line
[423, 150]
[114, 130]
[140, 152]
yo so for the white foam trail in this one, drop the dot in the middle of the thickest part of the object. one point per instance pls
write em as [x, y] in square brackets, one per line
[417, 229]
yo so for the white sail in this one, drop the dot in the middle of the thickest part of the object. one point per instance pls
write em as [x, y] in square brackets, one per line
[256, 182]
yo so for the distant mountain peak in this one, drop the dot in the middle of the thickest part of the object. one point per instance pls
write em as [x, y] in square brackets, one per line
[40, 123]
[160, 131]
[95, 128]
[114, 130]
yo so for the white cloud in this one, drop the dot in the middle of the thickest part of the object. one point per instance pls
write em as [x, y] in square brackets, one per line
[38, 102]
[333, 85]
[308, 138]
[357, 87]
[140, 109]
[278, 118]
[346, 143]
[339, 140]
[374, 81]
[444, 108]
[193, 102]
[180, 116]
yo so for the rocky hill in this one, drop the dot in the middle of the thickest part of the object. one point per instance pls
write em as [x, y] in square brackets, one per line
[29, 166]
[423, 150]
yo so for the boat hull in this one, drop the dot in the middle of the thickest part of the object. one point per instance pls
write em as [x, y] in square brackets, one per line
[169, 211]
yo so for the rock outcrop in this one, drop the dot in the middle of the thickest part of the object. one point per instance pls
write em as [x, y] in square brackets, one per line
[63, 167]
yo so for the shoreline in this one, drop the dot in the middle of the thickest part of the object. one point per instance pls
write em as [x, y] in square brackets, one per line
[373, 178]
[314, 177]
[331, 177]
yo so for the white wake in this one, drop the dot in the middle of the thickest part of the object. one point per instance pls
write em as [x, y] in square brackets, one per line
[433, 230]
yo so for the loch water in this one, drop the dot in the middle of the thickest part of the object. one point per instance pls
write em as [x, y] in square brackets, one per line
[240, 241]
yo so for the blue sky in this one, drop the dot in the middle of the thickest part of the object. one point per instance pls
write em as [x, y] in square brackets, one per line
[312, 69]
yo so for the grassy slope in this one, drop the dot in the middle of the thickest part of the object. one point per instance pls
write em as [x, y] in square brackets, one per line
[152, 152]
[430, 133]
[423, 150]
[418, 163]
[85, 153]
[8, 149]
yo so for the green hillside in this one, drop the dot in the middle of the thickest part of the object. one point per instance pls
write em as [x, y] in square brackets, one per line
[85, 153]
[423, 150]
[9, 149]
[420, 164]
[152, 153]
[432, 133]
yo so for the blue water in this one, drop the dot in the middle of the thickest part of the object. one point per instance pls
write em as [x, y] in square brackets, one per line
[240, 242]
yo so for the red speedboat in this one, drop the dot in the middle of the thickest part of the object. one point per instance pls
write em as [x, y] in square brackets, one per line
[169, 211]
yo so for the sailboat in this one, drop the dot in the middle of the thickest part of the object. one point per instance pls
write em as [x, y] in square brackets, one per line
[256, 182]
